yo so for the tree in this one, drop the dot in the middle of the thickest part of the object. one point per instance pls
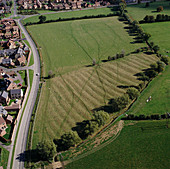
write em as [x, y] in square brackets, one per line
[165, 59]
[68, 140]
[146, 18]
[160, 67]
[154, 66]
[160, 8]
[100, 117]
[146, 36]
[147, 4]
[151, 73]
[42, 18]
[46, 150]
[156, 48]
[10, 3]
[159, 17]
[133, 93]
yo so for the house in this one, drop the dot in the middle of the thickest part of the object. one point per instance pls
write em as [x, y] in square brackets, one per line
[97, 4]
[11, 86]
[66, 6]
[21, 61]
[60, 7]
[15, 28]
[7, 61]
[45, 6]
[1, 35]
[54, 6]
[14, 107]
[79, 5]
[3, 111]
[73, 6]
[3, 126]
[8, 35]
[11, 73]
[16, 93]
[20, 51]
[4, 99]
[9, 119]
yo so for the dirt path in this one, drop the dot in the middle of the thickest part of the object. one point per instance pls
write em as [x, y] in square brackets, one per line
[117, 132]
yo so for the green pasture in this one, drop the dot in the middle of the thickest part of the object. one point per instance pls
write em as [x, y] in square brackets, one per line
[140, 145]
[160, 35]
[71, 44]
[68, 14]
[139, 11]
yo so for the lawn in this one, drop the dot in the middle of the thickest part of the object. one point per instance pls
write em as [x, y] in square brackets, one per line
[139, 11]
[133, 148]
[69, 45]
[71, 14]
[4, 157]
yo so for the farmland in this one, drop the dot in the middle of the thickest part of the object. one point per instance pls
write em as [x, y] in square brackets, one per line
[133, 148]
[73, 44]
[69, 98]
[71, 14]
[139, 11]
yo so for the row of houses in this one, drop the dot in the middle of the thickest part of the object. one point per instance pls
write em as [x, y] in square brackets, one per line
[58, 4]
[9, 29]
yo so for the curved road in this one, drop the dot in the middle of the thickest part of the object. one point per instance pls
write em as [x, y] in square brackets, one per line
[20, 146]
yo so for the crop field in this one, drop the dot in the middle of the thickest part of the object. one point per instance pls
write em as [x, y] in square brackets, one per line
[134, 148]
[69, 98]
[73, 44]
[139, 11]
[71, 14]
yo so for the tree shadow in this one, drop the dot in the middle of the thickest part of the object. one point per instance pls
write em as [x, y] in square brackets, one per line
[29, 156]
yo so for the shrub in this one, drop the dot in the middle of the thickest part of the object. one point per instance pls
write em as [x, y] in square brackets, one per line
[159, 8]
[101, 117]
[147, 4]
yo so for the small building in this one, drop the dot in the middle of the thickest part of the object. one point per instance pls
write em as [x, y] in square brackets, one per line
[9, 119]
[7, 61]
[66, 6]
[79, 5]
[16, 93]
[4, 99]
[73, 6]
[97, 4]
[21, 61]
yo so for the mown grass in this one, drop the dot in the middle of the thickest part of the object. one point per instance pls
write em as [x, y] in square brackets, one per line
[139, 11]
[77, 43]
[133, 148]
[4, 157]
[70, 98]
[71, 14]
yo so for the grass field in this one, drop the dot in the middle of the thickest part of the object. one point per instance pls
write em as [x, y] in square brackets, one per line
[4, 157]
[72, 44]
[159, 35]
[69, 98]
[133, 148]
[71, 14]
[139, 11]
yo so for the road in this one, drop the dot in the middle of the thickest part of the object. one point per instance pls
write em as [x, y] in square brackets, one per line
[21, 140]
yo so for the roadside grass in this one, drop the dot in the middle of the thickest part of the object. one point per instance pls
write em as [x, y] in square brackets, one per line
[71, 14]
[4, 157]
[74, 44]
[139, 11]
[133, 148]
[45, 11]
[31, 74]
[70, 98]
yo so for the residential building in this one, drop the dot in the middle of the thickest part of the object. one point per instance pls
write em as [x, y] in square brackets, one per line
[4, 99]
[16, 93]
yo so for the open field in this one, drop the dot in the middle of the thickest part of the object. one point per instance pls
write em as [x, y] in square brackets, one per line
[71, 14]
[69, 98]
[69, 45]
[133, 148]
[139, 11]
[159, 35]
[4, 157]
